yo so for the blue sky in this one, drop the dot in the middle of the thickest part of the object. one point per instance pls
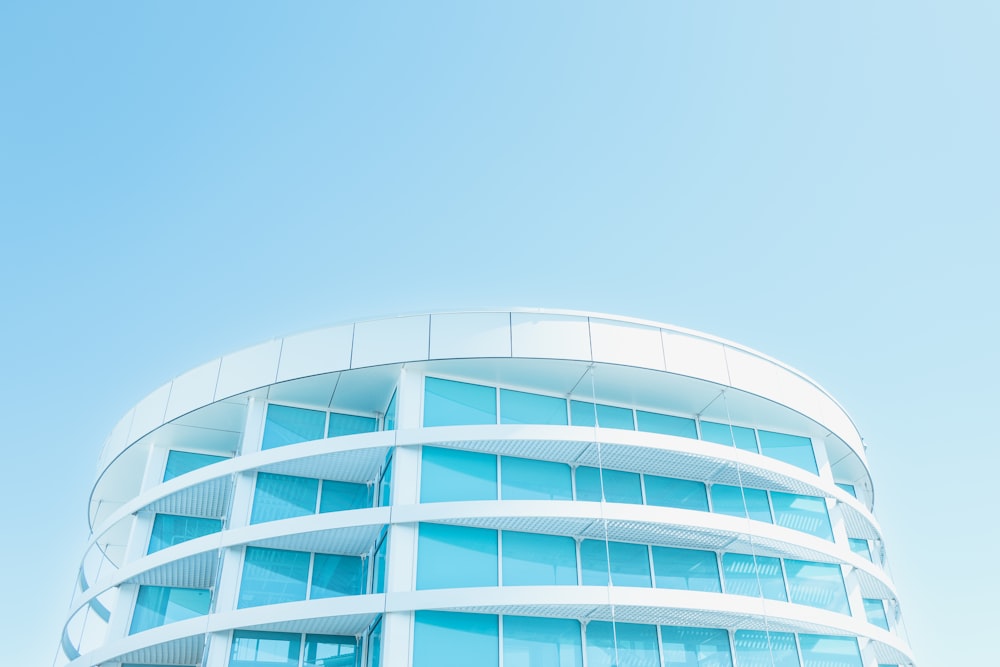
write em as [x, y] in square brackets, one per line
[815, 180]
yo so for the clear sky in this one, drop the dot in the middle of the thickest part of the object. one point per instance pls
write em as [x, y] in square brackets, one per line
[815, 180]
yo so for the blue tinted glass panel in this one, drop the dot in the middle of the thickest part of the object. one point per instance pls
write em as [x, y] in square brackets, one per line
[695, 647]
[817, 585]
[519, 407]
[629, 563]
[619, 486]
[375, 645]
[446, 639]
[335, 575]
[681, 493]
[756, 648]
[179, 463]
[389, 421]
[331, 651]
[826, 651]
[456, 557]
[283, 497]
[449, 403]
[538, 560]
[607, 416]
[724, 434]
[272, 576]
[156, 606]
[524, 479]
[793, 449]
[875, 613]
[654, 422]
[860, 547]
[286, 426]
[753, 576]
[169, 530]
[541, 642]
[686, 569]
[385, 484]
[378, 576]
[609, 645]
[849, 488]
[264, 649]
[805, 513]
[594, 563]
[730, 500]
[451, 474]
[341, 424]
[339, 496]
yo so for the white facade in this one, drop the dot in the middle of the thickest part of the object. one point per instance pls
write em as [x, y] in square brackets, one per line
[172, 575]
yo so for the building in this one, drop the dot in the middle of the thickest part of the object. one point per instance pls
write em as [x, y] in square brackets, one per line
[525, 488]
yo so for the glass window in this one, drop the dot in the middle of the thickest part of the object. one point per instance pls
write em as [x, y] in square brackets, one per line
[339, 496]
[330, 651]
[259, 649]
[525, 479]
[805, 513]
[158, 605]
[169, 529]
[742, 502]
[451, 474]
[817, 585]
[541, 642]
[860, 547]
[608, 416]
[754, 576]
[283, 497]
[286, 425]
[654, 422]
[629, 563]
[686, 569]
[758, 648]
[724, 434]
[375, 644]
[440, 548]
[612, 644]
[619, 486]
[538, 560]
[343, 424]
[272, 576]
[792, 449]
[519, 407]
[450, 403]
[385, 484]
[378, 576]
[695, 647]
[448, 639]
[875, 613]
[849, 488]
[335, 575]
[179, 463]
[389, 421]
[684, 494]
[826, 651]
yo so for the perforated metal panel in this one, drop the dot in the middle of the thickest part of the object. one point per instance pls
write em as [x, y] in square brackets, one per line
[197, 571]
[208, 499]
[184, 651]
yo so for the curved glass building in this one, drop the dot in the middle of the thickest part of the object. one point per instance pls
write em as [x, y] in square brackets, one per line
[497, 489]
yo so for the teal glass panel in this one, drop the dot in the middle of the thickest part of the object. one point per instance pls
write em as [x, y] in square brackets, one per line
[286, 425]
[450, 403]
[379, 564]
[619, 486]
[389, 421]
[849, 488]
[875, 613]
[158, 605]
[607, 416]
[343, 424]
[724, 434]
[629, 563]
[610, 645]
[654, 422]
[804, 513]
[793, 449]
[530, 559]
[695, 647]
[520, 407]
[179, 463]
[753, 576]
[525, 479]
[338, 496]
[541, 642]
[331, 651]
[375, 644]
[734, 501]
[335, 575]
[860, 547]
[451, 474]
[283, 497]
[456, 557]
[448, 639]
[686, 569]
[272, 576]
[827, 651]
[385, 484]
[757, 648]
[818, 585]
[169, 529]
[264, 649]
[684, 494]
